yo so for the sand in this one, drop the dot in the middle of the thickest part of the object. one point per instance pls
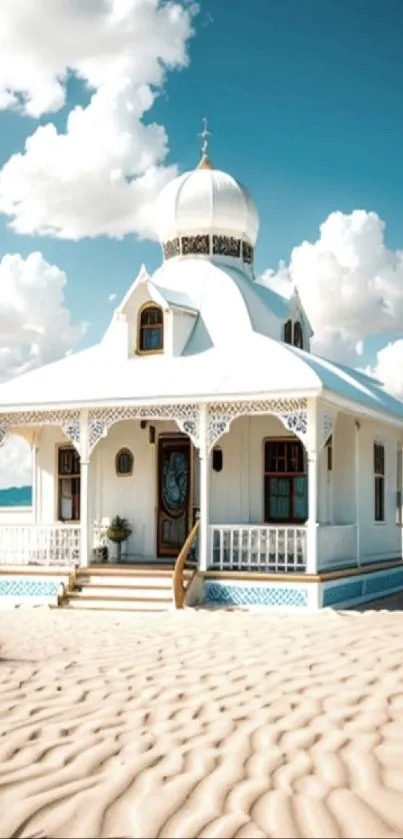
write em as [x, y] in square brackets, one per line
[201, 724]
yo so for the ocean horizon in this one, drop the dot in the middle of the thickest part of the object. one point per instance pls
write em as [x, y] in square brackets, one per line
[16, 496]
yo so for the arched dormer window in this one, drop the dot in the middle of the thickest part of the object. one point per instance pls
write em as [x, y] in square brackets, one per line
[151, 329]
[298, 336]
[124, 462]
[288, 332]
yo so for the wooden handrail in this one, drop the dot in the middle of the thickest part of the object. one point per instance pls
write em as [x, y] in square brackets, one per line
[179, 590]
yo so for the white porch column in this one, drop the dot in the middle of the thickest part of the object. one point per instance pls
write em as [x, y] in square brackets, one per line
[312, 520]
[84, 491]
[204, 456]
[35, 476]
[84, 528]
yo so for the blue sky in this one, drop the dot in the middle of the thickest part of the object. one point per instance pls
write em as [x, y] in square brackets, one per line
[304, 99]
[305, 103]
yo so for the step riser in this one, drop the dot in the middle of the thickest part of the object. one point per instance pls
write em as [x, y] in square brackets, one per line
[134, 593]
[117, 605]
[147, 581]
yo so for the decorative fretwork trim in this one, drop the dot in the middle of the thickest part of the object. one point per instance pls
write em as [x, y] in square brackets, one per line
[216, 244]
[327, 424]
[227, 246]
[293, 413]
[195, 244]
[100, 420]
[68, 421]
[171, 248]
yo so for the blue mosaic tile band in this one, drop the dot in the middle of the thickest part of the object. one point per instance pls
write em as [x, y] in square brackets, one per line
[367, 587]
[377, 585]
[224, 594]
[28, 588]
[345, 591]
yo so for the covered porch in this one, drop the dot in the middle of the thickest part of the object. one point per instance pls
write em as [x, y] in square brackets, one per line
[262, 479]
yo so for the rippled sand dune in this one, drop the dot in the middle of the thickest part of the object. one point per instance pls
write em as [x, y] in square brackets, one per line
[201, 724]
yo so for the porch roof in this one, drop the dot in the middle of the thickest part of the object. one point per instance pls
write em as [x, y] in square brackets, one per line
[260, 365]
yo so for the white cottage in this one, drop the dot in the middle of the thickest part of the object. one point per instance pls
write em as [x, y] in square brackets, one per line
[203, 403]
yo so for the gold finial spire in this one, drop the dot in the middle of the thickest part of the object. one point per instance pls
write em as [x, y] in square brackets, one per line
[205, 162]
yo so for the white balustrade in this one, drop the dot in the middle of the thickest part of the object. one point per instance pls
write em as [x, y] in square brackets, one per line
[252, 547]
[99, 537]
[40, 544]
[337, 546]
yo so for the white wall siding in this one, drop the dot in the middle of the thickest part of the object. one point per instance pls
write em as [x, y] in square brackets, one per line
[378, 539]
[343, 471]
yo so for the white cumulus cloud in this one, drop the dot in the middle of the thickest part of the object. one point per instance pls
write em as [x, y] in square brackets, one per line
[388, 367]
[350, 284]
[101, 175]
[35, 329]
[15, 463]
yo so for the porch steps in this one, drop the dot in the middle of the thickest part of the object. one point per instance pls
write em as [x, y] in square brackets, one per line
[140, 589]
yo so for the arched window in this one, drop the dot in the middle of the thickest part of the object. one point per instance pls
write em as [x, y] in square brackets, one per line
[151, 330]
[288, 332]
[124, 462]
[298, 336]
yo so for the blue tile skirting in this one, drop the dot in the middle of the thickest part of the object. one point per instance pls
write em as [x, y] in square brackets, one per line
[368, 587]
[345, 591]
[28, 587]
[224, 594]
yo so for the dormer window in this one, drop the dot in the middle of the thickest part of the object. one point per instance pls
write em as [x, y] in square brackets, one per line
[288, 332]
[151, 329]
[293, 334]
[298, 336]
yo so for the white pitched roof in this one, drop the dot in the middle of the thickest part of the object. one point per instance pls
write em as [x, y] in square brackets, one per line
[259, 366]
[233, 351]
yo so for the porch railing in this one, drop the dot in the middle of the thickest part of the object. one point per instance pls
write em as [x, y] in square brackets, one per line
[337, 545]
[39, 544]
[178, 584]
[251, 547]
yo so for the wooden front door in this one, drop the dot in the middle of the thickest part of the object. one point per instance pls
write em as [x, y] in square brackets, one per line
[174, 476]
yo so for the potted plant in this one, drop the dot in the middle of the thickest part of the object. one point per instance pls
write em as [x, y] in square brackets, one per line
[118, 531]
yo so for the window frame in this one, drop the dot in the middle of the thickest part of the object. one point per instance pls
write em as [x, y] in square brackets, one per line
[141, 327]
[293, 334]
[124, 451]
[75, 479]
[288, 474]
[379, 476]
[298, 335]
[288, 332]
